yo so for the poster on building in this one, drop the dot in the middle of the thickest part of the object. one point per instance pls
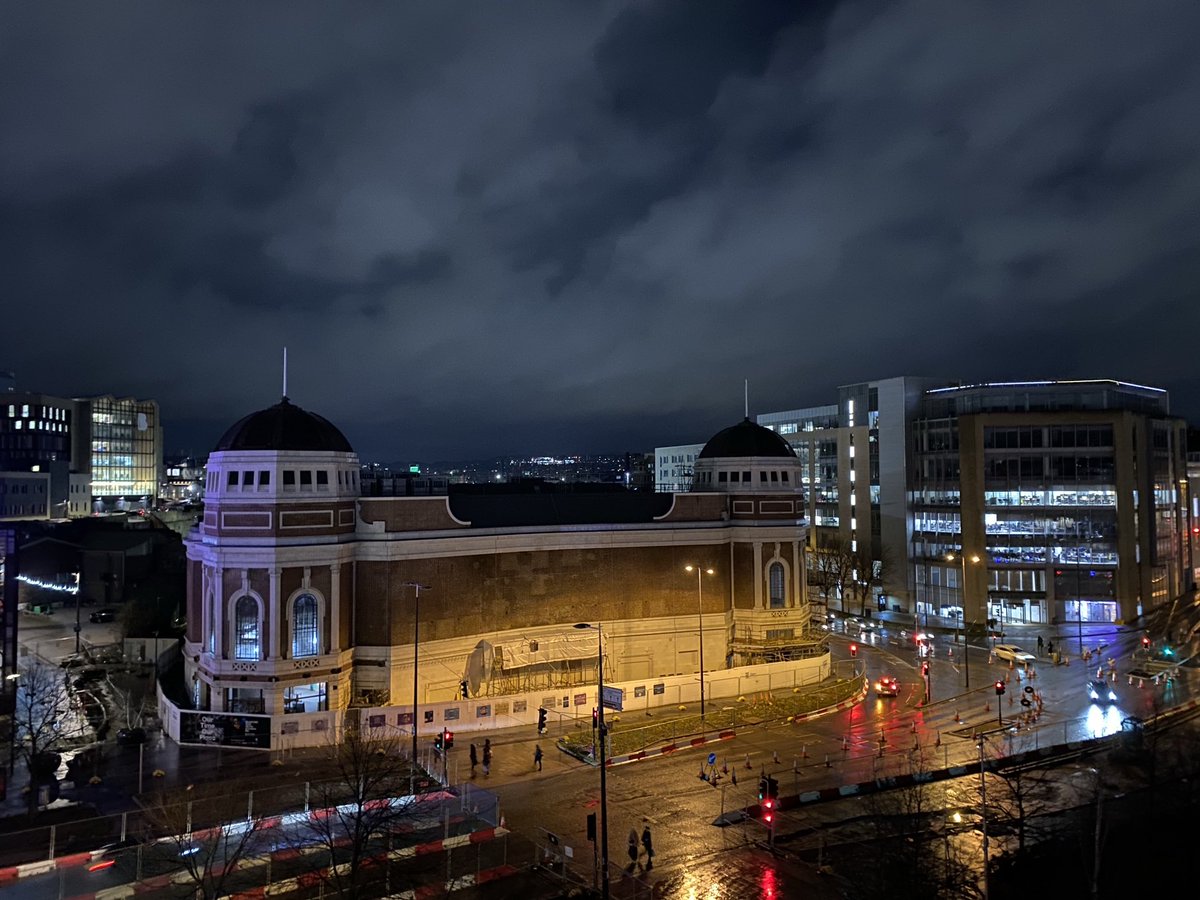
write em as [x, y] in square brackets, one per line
[614, 698]
[225, 730]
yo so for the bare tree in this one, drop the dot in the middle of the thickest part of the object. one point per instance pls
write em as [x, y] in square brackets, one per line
[202, 839]
[869, 573]
[362, 803]
[38, 714]
[834, 565]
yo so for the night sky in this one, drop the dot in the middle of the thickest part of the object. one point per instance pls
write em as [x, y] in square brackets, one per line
[553, 227]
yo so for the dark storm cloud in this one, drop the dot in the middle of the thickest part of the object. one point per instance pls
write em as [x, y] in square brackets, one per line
[487, 228]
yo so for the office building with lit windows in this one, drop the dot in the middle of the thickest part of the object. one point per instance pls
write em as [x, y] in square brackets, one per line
[855, 461]
[1068, 498]
[36, 440]
[124, 451]
[1068, 501]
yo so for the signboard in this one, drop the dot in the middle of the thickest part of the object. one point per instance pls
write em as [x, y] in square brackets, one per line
[225, 730]
[614, 698]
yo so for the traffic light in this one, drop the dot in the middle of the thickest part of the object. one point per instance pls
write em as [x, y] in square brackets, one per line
[463, 686]
[925, 670]
[439, 741]
[999, 688]
[854, 649]
[595, 718]
[447, 738]
[541, 720]
[1146, 641]
[768, 798]
[591, 827]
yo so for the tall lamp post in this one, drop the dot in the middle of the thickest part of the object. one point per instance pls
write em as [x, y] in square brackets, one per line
[417, 587]
[962, 558]
[700, 607]
[600, 756]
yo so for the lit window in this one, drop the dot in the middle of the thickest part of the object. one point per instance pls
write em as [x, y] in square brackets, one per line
[245, 617]
[775, 577]
[304, 626]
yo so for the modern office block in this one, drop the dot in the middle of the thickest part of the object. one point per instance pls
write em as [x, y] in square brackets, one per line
[125, 451]
[1066, 499]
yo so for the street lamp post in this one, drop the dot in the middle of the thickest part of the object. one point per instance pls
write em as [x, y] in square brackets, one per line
[600, 757]
[416, 586]
[78, 626]
[700, 607]
[962, 558]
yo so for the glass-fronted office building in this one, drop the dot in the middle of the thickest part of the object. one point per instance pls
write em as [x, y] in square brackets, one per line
[1051, 502]
[126, 452]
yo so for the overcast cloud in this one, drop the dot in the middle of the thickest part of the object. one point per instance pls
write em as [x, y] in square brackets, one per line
[490, 228]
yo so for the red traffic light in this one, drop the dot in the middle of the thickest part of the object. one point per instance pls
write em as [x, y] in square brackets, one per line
[924, 668]
[854, 649]
[1145, 640]
[999, 688]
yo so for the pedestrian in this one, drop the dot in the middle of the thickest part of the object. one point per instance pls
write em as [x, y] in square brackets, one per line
[487, 757]
[633, 848]
[537, 757]
[647, 843]
[1050, 648]
[1041, 644]
[474, 760]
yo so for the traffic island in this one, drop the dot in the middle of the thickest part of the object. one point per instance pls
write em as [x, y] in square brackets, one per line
[689, 730]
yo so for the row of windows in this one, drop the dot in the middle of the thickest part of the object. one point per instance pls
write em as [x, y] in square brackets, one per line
[248, 478]
[39, 487]
[247, 628]
[53, 413]
[1053, 436]
[744, 477]
[19, 509]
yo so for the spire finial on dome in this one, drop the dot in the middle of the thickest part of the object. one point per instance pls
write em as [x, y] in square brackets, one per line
[285, 373]
[747, 390]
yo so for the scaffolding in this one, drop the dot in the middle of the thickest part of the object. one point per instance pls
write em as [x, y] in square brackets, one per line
[753, 648]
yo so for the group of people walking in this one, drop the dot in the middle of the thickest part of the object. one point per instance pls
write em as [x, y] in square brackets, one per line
[636, 846]
[487, 758]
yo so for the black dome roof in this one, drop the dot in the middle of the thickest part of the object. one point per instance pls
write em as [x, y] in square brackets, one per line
[284, 427]
[746, 438]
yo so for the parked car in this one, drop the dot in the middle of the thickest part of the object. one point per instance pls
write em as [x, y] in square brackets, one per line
[104, 615]
[887, 686]
[1014, 653]
[131, 737]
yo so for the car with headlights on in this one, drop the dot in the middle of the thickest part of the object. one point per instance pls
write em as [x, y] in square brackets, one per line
[887, 686]
[1101, 692]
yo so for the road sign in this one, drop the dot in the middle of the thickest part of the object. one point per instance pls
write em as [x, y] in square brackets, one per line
[712, 759]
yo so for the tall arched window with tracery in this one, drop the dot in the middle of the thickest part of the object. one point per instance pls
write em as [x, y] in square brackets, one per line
[775, 579]
[246, 642]
[304, 626]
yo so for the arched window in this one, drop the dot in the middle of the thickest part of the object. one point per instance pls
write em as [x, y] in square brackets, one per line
[304, 626]
[246, 644]
[775, 578]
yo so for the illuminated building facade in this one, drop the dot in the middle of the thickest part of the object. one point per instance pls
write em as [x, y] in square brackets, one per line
[125, 451]
[303, 594]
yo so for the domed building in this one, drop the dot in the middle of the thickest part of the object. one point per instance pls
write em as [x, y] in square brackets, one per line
[309, 603]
